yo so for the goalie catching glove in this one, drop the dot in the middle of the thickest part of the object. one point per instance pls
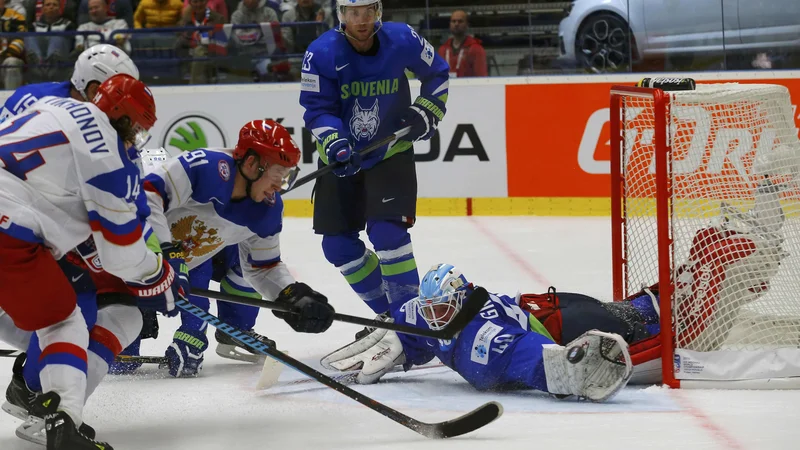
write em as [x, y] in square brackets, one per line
[374, 354]
[595, 366]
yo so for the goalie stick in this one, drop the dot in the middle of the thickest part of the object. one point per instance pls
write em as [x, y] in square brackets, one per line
[469, 309]
[365, 151]
[467, 423]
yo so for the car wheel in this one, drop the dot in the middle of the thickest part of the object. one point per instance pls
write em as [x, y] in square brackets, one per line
[603, 44]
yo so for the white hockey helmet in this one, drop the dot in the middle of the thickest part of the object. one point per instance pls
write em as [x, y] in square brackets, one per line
[341, 7]
[99, 63]
[150, 158]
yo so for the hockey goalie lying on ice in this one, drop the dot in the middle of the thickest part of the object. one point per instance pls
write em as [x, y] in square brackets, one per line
[572, 344]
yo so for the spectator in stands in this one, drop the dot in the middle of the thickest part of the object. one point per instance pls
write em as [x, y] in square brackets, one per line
[297, 38]
[218, 6]
[157, 13]
[47, 56]
[463, 52]
[100, 22]
[116, 9]
[11, 48]
[254, 48]
[200, 44]
[16, 5]
[35, 8]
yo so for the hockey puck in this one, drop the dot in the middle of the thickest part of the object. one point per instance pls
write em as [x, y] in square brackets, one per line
[576, 354]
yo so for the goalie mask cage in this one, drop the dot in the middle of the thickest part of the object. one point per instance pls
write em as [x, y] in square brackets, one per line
[687, 161]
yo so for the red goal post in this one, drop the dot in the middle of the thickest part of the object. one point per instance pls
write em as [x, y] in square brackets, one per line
[704, 184]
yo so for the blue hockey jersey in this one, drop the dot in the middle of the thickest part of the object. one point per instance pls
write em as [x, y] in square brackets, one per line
[496, 350]
[363, 97]
[27, 95]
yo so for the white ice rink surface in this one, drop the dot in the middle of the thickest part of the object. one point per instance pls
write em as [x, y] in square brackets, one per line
[222, 410]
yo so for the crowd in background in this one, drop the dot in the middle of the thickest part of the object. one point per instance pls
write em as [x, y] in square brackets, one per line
[218, 41]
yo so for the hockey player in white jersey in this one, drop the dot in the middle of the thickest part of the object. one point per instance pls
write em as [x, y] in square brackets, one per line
[67, 176]
[208, 199]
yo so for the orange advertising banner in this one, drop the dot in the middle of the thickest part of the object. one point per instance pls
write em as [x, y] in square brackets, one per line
[557, 137]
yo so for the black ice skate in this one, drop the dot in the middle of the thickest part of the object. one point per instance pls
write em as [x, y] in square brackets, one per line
[19, 401]
[18, 397]
[231, 348]
[60, 428]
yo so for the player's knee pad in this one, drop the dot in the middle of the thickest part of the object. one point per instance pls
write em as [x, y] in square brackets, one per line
[340, 249]
[387, 235]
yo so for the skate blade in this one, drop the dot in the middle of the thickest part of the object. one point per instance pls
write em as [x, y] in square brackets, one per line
[270, 373]
[14, 410]
[32, 430]
[232, 352]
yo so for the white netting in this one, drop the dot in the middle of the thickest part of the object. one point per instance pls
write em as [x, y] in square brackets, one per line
[734, 214]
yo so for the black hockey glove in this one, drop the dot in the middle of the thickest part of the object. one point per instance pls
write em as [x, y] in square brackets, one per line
[311, 312]
[423, 117]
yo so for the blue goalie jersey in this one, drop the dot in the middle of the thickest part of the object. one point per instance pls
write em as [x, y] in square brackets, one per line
[496, 350]
[364, 96]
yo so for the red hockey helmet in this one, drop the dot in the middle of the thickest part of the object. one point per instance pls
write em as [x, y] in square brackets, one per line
[270, 140]
[122, 95]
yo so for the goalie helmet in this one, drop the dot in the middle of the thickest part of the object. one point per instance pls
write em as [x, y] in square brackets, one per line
[342, 5]
[99, 63]
[441, 293]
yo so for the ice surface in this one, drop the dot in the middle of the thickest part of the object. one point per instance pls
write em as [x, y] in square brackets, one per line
[222, 410]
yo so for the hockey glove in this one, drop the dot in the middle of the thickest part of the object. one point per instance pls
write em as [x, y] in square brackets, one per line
[374, 354]
[339, 152]
[311, 312]
[185, 354]
[172, 283]
[423, 117]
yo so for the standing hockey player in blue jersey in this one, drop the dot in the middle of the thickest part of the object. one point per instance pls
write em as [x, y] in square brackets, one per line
[355, 92]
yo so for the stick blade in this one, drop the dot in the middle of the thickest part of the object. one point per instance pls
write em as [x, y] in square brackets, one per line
[269, 373]
[467, 423]
[471, 307]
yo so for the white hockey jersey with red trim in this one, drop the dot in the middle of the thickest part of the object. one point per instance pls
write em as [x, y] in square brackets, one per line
[189, 197]
[66, 175]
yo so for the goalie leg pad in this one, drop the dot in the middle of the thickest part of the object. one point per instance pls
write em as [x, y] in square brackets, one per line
[595, 366]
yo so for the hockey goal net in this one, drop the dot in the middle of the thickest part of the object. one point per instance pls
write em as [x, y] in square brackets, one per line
[706, 202]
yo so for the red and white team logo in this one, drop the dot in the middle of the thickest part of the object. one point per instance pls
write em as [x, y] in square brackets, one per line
[224, 170]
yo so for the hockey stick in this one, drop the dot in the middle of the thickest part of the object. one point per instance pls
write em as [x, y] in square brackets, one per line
[119, 358]
[471, 307]
[349, 377]
[365, 151]
[467, 423]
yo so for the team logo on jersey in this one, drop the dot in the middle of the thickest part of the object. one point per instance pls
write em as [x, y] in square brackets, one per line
[192, 131]
[365, 122]
[197, 239]
[224, 170]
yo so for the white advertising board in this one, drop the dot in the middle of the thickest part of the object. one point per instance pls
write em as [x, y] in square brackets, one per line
[466, 159]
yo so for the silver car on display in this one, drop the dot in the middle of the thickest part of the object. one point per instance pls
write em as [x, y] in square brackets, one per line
[606, 35]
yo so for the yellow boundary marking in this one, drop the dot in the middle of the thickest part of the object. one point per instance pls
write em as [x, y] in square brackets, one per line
[553, 206]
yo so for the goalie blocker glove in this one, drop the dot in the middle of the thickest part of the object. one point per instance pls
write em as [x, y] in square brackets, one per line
[595, 366]
[311, 312]
[170, 284]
